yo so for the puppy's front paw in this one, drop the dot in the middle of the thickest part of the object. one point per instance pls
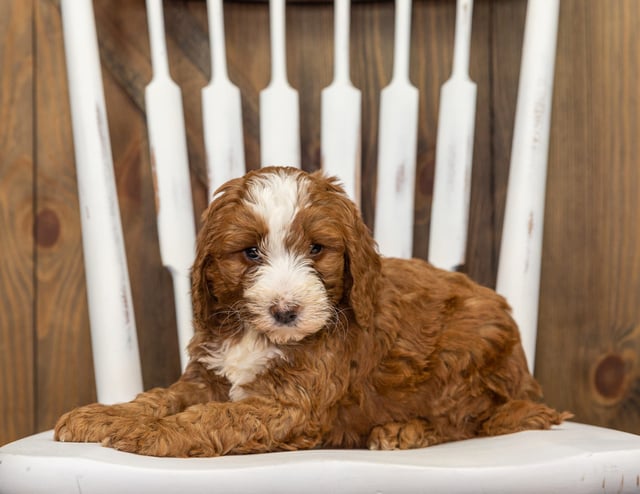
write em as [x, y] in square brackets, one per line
[154, 437]
[402, 435]
[90, 423]
[139, 436]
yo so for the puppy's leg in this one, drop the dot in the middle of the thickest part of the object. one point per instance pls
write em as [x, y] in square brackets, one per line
[416, 433]
[213, 429]
[93, 423]
[521, 415]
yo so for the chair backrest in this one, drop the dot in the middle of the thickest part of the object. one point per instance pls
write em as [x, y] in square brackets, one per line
[115, 348]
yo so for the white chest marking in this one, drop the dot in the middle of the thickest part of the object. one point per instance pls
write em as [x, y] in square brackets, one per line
[241, 362]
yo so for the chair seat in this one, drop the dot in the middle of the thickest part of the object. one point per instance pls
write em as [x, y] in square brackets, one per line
[593, 459]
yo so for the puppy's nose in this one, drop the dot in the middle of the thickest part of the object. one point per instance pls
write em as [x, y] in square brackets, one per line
[284, 314]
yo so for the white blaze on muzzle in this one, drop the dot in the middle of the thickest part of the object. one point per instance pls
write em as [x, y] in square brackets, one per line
[286, 299]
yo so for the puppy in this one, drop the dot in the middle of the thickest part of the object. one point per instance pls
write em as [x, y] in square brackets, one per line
[306, 337]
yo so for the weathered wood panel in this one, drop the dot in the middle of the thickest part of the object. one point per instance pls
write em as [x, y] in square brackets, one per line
[489, 172]
[589, 342]
[64, 372]
[16, 221]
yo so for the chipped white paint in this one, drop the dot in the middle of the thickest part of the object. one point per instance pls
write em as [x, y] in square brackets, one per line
[113, 330]
[241, 361]
[571, 458]
[168, 143]
[521, 249]
[279, 109]
[341, 115]
[454, 153]
[398, 135]
[221, 110]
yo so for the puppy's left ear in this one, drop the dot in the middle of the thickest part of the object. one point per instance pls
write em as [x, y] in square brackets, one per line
[362, 261]
[363, 267]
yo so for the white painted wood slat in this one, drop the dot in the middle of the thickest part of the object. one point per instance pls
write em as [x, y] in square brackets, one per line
[221, 110]
[454, 153]
[571, 458]
[341, 112]
[113, 328]
[169, 159]
[397, 141]
[279, 108]
[521, 249]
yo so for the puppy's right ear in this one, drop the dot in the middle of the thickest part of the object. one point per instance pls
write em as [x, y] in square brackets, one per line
[202, 273]
[202, 293]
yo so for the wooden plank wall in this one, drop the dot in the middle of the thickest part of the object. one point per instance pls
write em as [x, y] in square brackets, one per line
[589, 344]
[17, 290]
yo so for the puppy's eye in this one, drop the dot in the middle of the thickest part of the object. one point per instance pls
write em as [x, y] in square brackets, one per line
[252, 254]
[315, 249]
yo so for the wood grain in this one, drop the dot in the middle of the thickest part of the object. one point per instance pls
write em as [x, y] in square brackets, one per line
[64, 367]
[17, 400]
[481, 244]
[590, 317]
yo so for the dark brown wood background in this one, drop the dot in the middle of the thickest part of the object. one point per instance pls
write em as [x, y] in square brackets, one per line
[589, 341]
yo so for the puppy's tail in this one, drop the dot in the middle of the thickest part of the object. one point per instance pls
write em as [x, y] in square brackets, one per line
[522, 415]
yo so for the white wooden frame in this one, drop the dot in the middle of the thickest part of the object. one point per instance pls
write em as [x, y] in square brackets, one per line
[113, 328]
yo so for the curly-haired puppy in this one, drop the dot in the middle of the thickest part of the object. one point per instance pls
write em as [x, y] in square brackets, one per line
[306, 337]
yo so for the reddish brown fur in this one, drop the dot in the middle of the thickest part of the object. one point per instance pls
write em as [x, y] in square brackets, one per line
[417, 356]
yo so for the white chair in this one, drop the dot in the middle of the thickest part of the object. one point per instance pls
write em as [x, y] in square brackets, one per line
[570, 458]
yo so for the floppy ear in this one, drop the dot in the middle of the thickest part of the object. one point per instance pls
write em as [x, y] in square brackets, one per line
[363, 266]
[362, 261]
[202, 292]
[202, 289]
